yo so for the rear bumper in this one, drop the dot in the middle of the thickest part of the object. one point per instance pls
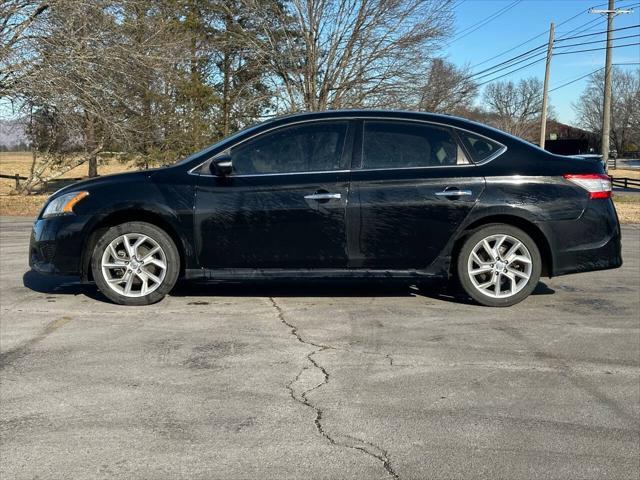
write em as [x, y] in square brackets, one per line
[592, 242]
[56, 244]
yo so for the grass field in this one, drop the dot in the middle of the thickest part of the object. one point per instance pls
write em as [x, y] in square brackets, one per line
[624, 173]
[627, 205]
[20, 163]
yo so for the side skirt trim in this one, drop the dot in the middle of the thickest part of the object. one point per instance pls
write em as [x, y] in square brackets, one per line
[296, 274]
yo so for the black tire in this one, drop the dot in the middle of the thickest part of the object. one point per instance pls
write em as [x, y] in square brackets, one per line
[477, 236]
[156, 234]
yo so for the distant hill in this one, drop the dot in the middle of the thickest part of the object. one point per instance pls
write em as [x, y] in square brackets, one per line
[12, 135]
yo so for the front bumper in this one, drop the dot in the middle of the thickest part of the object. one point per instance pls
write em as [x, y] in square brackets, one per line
[57, 244]
[592, 242]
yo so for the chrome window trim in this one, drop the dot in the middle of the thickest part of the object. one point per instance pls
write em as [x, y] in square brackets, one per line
[277, 174]
[492, 157]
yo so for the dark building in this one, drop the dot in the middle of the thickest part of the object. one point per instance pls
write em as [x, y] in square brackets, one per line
[564, 139]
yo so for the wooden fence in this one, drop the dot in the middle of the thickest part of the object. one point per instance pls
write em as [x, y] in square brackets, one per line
[54, 184]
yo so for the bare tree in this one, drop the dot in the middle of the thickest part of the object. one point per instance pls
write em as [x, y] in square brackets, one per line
[78, 71]
[446, 89]
[240, 78]
[328, 54]
[80, 64]
[16, 20]
[515, 107]
[625, 107]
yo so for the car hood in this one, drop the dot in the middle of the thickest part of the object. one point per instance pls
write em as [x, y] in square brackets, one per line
[117, 178]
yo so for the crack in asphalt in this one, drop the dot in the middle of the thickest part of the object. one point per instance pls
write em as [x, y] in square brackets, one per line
[10, 356]
[366, 447]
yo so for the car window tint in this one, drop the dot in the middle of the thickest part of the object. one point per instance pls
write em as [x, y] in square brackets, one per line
[305, 148]
[480, 148]
[404, 144]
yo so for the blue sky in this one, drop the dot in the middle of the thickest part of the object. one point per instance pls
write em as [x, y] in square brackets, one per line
[528, 18]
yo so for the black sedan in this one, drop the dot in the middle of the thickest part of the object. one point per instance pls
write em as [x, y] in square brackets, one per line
[339, 194]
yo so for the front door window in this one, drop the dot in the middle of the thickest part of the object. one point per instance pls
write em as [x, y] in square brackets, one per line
[303, 148]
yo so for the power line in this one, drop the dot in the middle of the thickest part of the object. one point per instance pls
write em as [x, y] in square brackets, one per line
[513, 71]
[490, 17]
[543, 53]
[510, 50]
[451, 5]
[598, 33]
[590, 22]
[472, 28]
[536, 51]
[633, 5]
[575, 80]
[602, 20]
[543, 58]
[581, 12]
[588, 74]
[601, 48]
[597, 41]
[509, 60]
[581, 28]
[532, 53]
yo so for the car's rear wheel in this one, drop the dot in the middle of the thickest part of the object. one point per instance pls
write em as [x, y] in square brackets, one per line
[499, 265]
[135, 263]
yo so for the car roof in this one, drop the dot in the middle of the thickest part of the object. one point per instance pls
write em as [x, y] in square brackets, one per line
[450, 120]
[360, 113]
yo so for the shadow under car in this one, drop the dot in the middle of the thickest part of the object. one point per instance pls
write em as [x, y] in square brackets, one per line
[65, 285]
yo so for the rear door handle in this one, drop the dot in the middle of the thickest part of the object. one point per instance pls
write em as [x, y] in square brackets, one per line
[454, 193]
[323, 196]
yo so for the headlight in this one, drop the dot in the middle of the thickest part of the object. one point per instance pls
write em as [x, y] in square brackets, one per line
[63, 204]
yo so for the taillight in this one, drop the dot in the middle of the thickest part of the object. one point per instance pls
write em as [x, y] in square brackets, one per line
[597, 184]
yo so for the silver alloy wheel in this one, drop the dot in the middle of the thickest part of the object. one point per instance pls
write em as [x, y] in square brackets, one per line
[499, 266]
[134, 265]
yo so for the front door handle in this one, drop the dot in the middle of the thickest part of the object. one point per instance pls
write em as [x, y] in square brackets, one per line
[323, 196]
[454, 193]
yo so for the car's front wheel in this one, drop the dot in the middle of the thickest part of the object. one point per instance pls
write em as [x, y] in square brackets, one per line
[499, 265]
[135, 263]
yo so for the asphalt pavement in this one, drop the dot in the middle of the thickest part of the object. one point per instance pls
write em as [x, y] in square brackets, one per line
[311, 381]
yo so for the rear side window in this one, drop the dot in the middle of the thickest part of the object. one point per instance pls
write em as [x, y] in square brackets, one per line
[304, 148]
[480, 148]
[409, 144]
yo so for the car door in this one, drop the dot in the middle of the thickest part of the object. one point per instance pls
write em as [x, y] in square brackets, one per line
[411, 188]
[283, 205]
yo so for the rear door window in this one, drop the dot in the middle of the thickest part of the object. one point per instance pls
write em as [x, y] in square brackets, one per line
[396, 144]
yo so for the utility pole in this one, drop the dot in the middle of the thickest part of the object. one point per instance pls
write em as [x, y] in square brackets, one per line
[610, 12]
[545, 91]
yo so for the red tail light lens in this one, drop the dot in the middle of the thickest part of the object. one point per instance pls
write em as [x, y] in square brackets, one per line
[598, 185]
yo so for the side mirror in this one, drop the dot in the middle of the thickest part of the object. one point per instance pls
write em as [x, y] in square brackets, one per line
[222, 165]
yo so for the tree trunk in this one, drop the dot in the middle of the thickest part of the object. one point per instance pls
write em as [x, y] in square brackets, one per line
[91, 143]
[93, 165]
[226, 72]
